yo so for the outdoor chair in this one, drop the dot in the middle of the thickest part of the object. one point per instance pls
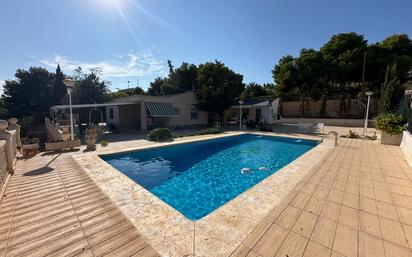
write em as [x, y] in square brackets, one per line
[319, 128]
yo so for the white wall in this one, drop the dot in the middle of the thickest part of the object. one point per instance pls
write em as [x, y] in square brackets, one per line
[184, 102]
[406, 146]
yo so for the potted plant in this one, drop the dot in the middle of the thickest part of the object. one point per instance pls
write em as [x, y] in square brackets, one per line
[90, 136]
[30, 146]
[392, 126]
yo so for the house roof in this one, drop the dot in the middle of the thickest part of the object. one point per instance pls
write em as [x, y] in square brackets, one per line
[255, 102]
[77, 106]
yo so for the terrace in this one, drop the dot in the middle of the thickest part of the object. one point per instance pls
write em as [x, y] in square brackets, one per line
[354, 200]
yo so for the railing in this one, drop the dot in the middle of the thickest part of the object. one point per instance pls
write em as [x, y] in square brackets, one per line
[9, 143]
[64, 122]
[3, 165]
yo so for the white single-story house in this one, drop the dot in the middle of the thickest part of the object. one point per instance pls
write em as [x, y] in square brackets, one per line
[144, 112]
[255, 110]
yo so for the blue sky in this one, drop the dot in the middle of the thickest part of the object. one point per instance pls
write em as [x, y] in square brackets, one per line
[132, 39]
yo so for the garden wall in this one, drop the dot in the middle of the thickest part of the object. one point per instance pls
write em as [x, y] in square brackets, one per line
[3, 165]
[9, 142]
[327, 122]
[312, 109]
[406, 146]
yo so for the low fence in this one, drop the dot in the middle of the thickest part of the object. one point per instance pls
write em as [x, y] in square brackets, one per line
[9, 144]
[332, 108]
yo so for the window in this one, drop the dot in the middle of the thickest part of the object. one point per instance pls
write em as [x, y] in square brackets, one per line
[111, 113]
[194, 114]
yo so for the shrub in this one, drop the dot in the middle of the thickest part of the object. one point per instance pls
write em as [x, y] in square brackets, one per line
[390, 123]
[251, 124]
[104, 143]
[353, 134]
[160, 134]
[262, 126]
[29, 140]
[26, 123]
[207, 131]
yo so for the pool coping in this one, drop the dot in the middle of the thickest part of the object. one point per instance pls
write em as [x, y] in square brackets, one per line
[216, 234]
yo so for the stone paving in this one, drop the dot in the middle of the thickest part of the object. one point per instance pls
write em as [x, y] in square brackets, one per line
[358, 202]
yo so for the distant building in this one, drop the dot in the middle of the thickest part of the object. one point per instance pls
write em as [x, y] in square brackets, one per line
[142, 112]
[254, 110]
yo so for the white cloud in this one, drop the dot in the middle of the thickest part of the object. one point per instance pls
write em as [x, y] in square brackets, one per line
[144, 64]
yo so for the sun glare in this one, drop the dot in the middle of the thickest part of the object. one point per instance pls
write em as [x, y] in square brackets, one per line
[108, 3]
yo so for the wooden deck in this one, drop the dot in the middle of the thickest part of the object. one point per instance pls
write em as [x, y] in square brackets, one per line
[357, 203]
[52, 208]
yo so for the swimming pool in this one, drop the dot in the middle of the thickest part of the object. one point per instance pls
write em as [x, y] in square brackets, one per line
[197, 178]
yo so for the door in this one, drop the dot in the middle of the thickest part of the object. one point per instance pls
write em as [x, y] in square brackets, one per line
[258, 114]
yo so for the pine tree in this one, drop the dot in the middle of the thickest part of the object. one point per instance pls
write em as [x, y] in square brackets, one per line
[391, 91]
[59, 89]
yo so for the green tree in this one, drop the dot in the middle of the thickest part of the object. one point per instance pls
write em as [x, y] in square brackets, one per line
[30, 94]
[155, 87]
[376, 63]
[179, 80]
[310, 74]
[285, 76]
[59, 90]
[253, 89]
[391, 91]
[127, 92]
[89, 88]
[399, 49]
[184, 78]
[218, 87]
[343, 55]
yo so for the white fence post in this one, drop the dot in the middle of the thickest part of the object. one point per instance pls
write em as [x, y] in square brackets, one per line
[14, 126]
[10, 152]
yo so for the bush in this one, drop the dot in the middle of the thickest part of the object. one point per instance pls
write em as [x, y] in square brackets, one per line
[353, 134]
[390, 123]
[251, 124]
[26, 123]
[160, 134]
[29, 140]
[104, 143]
[211, 131]
[262, 126]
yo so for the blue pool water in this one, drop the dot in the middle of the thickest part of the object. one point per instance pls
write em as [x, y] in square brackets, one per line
[197, 178]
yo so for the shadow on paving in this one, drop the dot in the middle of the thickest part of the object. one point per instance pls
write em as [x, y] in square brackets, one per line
[42, 170]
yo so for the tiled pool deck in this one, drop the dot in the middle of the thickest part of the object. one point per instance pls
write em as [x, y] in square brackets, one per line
[216, 234]
[356, 201]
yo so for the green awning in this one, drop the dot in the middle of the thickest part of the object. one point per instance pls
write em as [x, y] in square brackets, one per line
[157, 109]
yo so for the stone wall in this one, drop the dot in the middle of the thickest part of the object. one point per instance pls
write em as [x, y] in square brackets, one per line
[9, 143]
[406, 146]
[327, 122]
[312, 109]
[3, 164]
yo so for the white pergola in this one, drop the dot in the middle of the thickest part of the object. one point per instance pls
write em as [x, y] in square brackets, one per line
[56, 108]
